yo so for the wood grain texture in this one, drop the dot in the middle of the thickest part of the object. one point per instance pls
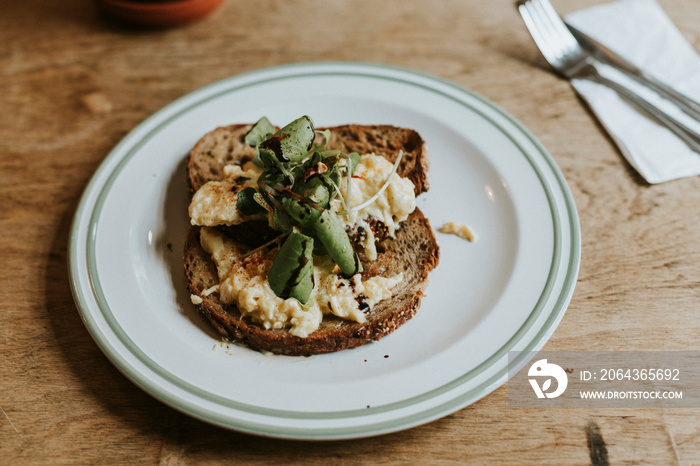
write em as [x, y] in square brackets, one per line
[72, 84]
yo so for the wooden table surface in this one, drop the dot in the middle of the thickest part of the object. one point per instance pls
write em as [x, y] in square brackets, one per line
[74, 83]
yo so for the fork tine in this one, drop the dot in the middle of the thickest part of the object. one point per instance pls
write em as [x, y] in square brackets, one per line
[546, 23]
[548, 30]
[539, 33]
[558, 24]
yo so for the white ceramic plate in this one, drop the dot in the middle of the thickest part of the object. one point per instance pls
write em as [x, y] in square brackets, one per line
[505, 292]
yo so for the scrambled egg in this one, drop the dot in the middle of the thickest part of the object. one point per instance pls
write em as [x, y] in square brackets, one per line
[215, 202]
[244, 283]
[458, 229]
[391, 207]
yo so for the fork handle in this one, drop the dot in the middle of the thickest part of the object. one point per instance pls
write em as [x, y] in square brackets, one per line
[688, 105]
[690, 137]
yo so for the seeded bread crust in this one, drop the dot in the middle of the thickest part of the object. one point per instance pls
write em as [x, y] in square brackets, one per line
[414, 251]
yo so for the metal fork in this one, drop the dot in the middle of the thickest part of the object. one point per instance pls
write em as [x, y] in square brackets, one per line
[566, 56]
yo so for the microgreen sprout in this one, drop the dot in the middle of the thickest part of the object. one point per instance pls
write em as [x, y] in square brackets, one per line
[300, 179]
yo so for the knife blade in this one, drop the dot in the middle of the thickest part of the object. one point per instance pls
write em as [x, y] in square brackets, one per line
[606, 55]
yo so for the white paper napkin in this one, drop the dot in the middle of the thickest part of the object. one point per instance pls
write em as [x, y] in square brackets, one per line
[640, 31]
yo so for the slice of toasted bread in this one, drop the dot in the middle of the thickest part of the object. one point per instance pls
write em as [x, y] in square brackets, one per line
[226, 145]
[413, 251]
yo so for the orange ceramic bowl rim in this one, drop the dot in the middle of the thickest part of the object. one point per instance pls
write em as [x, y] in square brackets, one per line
[162, 13]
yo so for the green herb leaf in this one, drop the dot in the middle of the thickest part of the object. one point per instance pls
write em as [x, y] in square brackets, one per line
[354, 160]
[260, 131]
[293, 142]
[326, 139]
[246, 203]
[330, 231]
[292, 272]
[303, 215]
[314, 190]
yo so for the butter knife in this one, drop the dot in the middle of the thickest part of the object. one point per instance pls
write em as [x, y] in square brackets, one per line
[605, 55]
